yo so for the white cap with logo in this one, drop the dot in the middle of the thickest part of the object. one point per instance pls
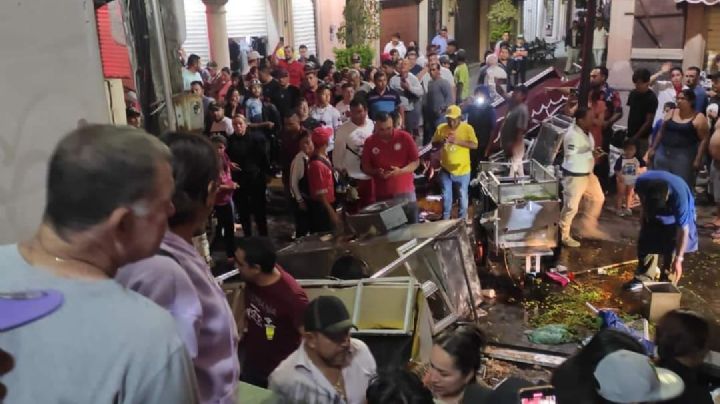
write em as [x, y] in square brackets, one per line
[630, 377]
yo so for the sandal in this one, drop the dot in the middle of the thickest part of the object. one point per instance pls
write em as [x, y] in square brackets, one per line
[715, 235]
[710, 225]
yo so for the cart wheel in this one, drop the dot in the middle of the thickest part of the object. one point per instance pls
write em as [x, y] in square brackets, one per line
[482, 247]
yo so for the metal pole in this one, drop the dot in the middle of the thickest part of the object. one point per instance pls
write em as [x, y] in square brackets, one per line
[587, 53]
[162, 55]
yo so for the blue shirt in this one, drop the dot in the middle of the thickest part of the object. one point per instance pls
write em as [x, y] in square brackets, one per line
[440, 41]
[253, 110]
[701, 99]
[680, 206]
[387, 102]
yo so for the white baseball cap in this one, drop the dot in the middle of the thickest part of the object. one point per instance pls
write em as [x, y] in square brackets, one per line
[630, 377]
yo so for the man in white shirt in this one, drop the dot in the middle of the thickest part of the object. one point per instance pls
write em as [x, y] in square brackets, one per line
[410, 90]
[343, 106]
[329, 367]
[349, 141]
[445, 73]
[397, 44]
[496, 77]
[324, 112]
[191, 72]
[221, 125]
[578, 181]
[600, 35]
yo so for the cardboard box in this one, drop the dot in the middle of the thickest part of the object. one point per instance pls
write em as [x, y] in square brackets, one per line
[659, 298]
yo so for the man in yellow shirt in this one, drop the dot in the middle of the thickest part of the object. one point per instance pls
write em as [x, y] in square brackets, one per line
[456, 139]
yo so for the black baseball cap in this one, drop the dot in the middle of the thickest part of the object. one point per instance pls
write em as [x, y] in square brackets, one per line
[328, 315]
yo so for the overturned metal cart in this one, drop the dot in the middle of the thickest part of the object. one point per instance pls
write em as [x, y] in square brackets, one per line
[435, 260]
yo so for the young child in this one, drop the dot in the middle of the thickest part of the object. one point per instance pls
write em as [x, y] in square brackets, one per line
[627, 169]
[519, 58]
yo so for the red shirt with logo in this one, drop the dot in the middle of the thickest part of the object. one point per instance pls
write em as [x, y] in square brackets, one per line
[399, 151]
[320, 179]
[296, 71]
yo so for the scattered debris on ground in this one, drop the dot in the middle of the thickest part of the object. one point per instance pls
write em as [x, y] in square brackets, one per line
[495, 371]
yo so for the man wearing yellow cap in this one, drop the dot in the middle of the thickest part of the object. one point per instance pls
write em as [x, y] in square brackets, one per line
[456, 139]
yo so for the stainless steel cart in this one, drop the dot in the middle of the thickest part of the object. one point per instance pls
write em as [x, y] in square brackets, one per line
[523, 213]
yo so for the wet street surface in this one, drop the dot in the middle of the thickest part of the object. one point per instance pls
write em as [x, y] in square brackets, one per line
[508, 320]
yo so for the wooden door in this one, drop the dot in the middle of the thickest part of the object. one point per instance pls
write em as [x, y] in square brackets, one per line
[399, 17]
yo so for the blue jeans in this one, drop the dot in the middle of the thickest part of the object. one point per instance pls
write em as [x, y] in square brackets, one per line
[448, 180]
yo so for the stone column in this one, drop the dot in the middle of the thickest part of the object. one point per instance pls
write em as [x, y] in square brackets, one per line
[695, 36]
[622, 21]
[217, 32]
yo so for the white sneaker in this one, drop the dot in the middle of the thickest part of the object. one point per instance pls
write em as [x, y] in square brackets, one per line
[570, 242]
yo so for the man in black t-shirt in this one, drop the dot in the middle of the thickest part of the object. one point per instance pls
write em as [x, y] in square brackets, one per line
[280, 92]
[643, 104]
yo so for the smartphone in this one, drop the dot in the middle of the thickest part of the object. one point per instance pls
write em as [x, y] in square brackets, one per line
[537, 395]
[282, 39]
[573, 91]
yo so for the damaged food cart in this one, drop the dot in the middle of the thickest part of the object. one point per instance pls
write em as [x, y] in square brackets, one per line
[402, 286]
[518, 216]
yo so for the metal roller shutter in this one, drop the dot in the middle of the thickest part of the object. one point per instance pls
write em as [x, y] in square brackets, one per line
[304, 25]
[196, 34]
[244, 18]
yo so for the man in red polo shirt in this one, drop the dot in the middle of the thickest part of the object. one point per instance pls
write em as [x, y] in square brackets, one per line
[321, 184]
[391, 157]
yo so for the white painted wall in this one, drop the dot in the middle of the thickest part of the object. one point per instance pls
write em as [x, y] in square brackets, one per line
[51, 79]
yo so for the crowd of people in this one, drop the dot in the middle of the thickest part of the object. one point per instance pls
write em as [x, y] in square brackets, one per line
[351, 138]
[655, 162]
[346, 137]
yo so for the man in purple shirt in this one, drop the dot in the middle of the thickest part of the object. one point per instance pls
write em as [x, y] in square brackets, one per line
[178, 278]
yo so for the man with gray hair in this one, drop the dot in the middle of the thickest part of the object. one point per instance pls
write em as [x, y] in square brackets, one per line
[109, 195]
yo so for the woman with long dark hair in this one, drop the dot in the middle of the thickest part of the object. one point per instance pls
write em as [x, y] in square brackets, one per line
[234, 101]
[454, 362]
[679, 147]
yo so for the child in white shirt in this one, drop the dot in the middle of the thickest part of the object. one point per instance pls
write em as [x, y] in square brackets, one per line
[627, 169]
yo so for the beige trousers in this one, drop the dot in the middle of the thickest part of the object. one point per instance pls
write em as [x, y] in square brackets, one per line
[577, 190]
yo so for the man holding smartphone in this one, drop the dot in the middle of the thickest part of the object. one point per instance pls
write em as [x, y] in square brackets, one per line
[578, 181]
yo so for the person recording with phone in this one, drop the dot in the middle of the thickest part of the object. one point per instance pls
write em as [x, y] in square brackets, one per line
[481, 116]
[579, 182]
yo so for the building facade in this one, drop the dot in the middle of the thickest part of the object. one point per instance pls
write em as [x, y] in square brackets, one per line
[649, 32]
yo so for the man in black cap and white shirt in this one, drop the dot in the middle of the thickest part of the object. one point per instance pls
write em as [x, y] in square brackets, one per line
[329, 366]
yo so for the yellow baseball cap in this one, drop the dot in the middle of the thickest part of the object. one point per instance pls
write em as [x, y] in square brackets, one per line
[453, 112]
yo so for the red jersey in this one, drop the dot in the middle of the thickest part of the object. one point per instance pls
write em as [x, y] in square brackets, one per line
[321, 180]
[399, 151]
[296, 71]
